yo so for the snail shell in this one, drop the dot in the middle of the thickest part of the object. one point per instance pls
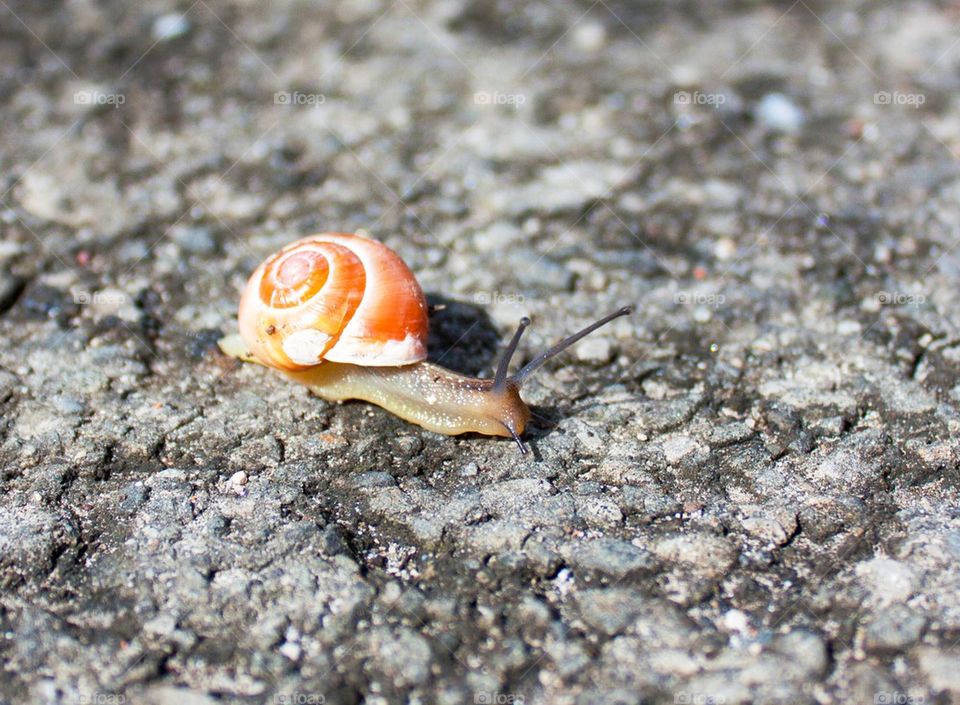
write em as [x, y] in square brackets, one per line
[337, 297]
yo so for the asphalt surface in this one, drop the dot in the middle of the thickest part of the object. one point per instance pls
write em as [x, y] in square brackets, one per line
[745, 492]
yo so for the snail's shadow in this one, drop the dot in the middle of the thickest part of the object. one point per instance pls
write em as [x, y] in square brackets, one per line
[463, 339]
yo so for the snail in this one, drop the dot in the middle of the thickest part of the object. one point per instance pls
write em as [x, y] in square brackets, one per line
[343, 315]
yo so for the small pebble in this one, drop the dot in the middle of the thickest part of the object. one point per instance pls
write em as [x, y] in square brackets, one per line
[589, 36]
[725, 249]
[678, 448]
[780, 113]
[170, 26]
[291, 651]
[594, 349]
[735, 621]
[896, 628]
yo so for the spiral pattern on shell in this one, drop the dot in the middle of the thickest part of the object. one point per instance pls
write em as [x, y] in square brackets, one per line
[336, 297]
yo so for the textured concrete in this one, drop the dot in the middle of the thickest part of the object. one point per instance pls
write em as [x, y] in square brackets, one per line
[745, 492]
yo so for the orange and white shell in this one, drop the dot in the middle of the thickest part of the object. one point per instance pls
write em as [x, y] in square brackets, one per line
[336, 297]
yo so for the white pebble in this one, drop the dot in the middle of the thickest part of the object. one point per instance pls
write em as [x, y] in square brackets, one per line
[778, 112]
[171, 26]
[735, 621]
[725, 249]
[888, 581]
[596, 349]
[590, 36]
[291, 651]
[678, 448]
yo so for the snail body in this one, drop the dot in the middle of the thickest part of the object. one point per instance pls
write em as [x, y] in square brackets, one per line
[344, 316]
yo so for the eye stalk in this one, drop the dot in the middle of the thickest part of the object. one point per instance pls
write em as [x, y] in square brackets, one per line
[500, 379]
[501, 382]
[536, 363]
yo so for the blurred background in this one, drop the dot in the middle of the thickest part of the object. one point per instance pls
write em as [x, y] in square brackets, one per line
[743, 493]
